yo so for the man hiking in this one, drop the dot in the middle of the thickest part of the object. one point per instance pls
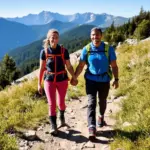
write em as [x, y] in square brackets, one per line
[101, 64]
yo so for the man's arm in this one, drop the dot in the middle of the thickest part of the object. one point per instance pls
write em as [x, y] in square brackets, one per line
[114, 69]
[115, 73]
[79, 68]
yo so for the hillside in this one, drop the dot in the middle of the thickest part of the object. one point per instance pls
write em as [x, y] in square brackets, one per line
[41, 30]
[27, 57]
[76, 38]
[44, 17]
[23, 35]
[132, 127]
[13, 34]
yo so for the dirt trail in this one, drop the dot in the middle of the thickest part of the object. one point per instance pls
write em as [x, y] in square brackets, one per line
[76, 137]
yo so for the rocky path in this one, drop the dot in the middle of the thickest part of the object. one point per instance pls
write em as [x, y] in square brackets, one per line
[76, 137]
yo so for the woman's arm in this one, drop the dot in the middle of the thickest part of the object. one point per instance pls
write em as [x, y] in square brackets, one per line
[40, 76]
[73, 81]
[70, 68]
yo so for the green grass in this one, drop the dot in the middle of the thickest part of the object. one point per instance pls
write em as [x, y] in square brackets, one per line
[75, 91]
[21, 109]
[134, 68]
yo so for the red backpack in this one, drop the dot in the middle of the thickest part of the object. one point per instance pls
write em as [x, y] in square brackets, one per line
[54, 56]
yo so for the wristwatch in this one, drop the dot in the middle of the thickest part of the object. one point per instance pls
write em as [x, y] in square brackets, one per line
[116, 79]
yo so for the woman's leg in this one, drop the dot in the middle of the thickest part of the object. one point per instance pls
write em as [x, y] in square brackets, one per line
[50, 90]
[62, 90]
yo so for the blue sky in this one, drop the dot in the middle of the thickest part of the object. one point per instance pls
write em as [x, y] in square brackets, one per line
[126, 8]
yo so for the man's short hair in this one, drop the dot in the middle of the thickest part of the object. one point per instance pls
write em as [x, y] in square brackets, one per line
[97, 29]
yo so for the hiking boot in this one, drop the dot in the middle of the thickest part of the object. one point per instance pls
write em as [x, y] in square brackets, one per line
[53, 130]
[62, 118]
[101, 122]
[92, 133]
[53, 125]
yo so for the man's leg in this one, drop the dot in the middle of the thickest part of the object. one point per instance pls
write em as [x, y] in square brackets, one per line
[103, 90]
[91, 92]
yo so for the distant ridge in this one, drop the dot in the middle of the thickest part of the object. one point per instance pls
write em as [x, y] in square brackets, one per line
[44, 17]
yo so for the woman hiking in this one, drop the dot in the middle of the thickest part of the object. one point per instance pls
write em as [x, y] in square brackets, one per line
[53, 60]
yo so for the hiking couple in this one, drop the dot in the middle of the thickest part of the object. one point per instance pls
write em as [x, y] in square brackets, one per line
[101, 64]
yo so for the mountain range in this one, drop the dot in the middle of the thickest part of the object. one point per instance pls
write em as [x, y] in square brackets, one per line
[13, 34]
[44, 17]
[16, 32]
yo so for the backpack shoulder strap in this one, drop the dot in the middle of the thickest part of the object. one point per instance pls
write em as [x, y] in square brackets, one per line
[106, 47]
[88, 48]
[106, 50]
[107, 55]
[46, 53]
[63, 53]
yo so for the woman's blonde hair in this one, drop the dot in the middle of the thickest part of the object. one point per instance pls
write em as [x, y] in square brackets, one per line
[46, 42]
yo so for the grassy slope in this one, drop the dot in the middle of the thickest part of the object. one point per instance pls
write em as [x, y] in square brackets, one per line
[21, 109]
[134, 64]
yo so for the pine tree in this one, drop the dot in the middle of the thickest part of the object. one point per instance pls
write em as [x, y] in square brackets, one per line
[143, 30]
[8, 71]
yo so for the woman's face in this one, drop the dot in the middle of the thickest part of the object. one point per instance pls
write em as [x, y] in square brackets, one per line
[96, 37]
[54, 38]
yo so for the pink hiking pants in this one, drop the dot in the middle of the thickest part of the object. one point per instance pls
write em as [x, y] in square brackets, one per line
[50, 90]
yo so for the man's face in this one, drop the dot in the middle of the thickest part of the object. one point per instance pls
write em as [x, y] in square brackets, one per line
[96, 37]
